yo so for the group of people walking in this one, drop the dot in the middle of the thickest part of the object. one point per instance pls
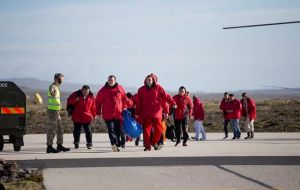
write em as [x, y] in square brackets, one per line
[233, 110]
[151, 106]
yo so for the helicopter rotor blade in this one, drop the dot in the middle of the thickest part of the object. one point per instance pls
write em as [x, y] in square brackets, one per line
[258, 25]
[280, 87]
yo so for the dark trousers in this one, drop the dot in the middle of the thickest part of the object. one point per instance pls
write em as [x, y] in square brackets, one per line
[137, 140]
[161, 140]
[226, 122]
[122, 137]
[181, 125]
[115, 132]
[77, 131]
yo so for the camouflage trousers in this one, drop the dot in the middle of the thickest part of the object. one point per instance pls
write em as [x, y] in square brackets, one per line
[54, 127]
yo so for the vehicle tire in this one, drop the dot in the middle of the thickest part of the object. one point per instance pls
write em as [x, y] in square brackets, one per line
[1, 143]
[17, 148]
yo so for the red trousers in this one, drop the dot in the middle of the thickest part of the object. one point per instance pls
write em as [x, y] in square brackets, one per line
[149, 125]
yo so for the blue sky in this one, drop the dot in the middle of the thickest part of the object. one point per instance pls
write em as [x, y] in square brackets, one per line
[180, 41]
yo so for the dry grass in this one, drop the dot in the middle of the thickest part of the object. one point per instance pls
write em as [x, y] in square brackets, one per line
[37, 121]
[273, 115]
[24, 185]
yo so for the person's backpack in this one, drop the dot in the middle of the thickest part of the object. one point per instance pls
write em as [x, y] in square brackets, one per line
[170, 132]
[71, 107]
[130, 126]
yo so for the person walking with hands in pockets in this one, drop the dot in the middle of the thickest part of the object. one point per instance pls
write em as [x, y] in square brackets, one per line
[111, 100]
[81, 105]
[182, 113]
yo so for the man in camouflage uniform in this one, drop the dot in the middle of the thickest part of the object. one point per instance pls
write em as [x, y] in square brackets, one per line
[53, 114]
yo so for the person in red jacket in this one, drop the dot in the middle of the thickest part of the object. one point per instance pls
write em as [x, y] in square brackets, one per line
[233, 110]
[249, 114]
[81, 105]
[181, 115]
[111, 100]
[149, 107]
[198, 114]
[223, 106]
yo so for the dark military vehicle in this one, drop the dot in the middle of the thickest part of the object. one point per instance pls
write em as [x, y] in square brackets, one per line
[12, 115]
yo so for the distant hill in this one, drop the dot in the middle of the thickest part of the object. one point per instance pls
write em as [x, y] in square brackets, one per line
[32, 85]
[256, 94]
[40, 85]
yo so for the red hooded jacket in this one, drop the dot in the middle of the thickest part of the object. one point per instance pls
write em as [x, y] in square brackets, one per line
[198, 110]
[111, 101]
[84, 109]
[133, 107]
[184, 106]
[151, 101]
[251, 108]
[233, 109]
[223, 107]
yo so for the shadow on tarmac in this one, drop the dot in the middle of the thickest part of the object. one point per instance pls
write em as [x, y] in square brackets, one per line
[161, 161]
[247, 178]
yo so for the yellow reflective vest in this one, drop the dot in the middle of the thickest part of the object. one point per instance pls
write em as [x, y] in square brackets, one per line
[54, 102]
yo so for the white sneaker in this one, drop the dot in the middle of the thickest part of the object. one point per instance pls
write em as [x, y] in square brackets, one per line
[114, 148]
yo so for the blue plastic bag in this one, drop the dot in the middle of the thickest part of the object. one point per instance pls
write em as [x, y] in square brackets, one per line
[130, 126]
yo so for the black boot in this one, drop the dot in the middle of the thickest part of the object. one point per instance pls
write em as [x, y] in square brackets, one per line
[50, 149]
[252, 134]
[61, 148]
[248, 135]
[89, 146]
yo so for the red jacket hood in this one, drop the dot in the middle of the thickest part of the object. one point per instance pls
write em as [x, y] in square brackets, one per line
[196, 100]
[154, 77]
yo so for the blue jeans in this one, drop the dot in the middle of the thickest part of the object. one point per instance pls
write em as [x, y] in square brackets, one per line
[199, 129]
[236, 128]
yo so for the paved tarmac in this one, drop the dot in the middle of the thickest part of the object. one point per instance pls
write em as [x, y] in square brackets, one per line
[270, 161]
